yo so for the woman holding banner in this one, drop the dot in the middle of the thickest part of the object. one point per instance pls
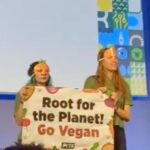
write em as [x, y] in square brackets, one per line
[109, 81]
[39, 76]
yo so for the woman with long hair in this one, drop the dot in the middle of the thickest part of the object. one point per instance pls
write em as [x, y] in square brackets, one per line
[108, 80]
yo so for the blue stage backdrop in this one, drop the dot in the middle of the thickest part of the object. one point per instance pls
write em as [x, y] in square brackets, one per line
[120, 23]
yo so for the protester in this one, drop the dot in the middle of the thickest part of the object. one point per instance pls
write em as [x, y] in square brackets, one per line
[39, 73]
[108, 80]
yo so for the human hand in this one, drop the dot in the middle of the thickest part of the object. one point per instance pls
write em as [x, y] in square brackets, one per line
[25, 93]
[102, 89]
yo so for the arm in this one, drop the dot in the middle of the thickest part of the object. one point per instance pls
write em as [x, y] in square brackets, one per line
[18, 109]
[18, 113]
[123, 109]
[125, 113]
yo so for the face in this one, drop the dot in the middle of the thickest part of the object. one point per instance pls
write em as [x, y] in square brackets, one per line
[110, 61]
[41, 73]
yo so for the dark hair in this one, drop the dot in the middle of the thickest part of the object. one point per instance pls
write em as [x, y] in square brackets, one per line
[19, 146]
[31, 67]
[30, 73]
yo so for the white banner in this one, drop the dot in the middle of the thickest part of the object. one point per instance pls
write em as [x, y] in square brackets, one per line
[68, 118]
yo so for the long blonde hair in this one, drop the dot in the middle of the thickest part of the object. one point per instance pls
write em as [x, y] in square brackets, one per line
[117, 79]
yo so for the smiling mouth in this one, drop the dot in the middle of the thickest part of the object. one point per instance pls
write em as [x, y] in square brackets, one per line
[43, 78]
